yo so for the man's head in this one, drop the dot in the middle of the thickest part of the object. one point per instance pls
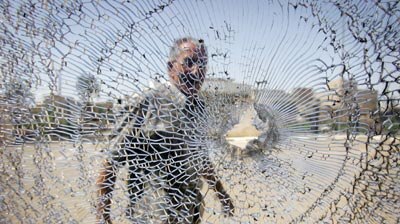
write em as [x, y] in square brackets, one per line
[187, 65]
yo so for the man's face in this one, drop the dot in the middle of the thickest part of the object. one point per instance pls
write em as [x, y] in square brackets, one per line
[188, 70]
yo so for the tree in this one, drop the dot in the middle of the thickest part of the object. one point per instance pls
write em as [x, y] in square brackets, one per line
[18, 99]
[87, 87]
[17, 91]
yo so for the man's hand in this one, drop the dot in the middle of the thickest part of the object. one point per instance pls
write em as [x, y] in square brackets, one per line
[216, 185]
[103, 210]
[227, 205]
[225, 199]
[105, 185]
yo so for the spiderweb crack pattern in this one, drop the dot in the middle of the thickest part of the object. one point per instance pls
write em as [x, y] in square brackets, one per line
[297, 118]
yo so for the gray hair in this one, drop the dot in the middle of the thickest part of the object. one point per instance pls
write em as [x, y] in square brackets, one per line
[176, 49]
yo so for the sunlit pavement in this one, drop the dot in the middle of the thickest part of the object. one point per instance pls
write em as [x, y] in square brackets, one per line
[73, 176]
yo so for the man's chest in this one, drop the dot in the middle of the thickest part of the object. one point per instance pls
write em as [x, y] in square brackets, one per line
[171, 114]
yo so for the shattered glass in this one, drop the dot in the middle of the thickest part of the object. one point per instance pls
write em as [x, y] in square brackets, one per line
[297, 120]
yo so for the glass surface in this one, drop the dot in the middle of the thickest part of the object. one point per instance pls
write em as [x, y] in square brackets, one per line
[283, 112]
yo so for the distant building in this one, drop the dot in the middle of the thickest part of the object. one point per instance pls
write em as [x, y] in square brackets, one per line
[308, 106]
[348, 105]
[227, 88]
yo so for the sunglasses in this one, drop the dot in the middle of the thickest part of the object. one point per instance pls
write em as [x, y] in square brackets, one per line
[189, 62]
[190, 79]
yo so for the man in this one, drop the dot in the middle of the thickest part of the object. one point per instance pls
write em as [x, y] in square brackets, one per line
[161, 135]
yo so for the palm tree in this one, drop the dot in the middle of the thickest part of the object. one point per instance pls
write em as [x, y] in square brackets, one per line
[18, 97]
[87, 87]
[18, 92]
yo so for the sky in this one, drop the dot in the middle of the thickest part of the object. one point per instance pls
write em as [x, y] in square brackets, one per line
[127, 44]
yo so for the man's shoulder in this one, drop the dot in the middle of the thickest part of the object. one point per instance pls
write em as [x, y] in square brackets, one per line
[129, 101]
[142, 95]
[165, 92]
[156, 92]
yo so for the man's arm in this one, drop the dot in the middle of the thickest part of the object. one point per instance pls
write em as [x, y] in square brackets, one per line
[106, 181]
[105, 185]
[209, 173]
[216, 184]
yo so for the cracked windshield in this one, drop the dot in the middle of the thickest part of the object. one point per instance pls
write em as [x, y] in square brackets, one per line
[201, 111]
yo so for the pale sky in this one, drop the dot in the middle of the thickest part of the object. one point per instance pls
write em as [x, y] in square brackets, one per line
[248, 41]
